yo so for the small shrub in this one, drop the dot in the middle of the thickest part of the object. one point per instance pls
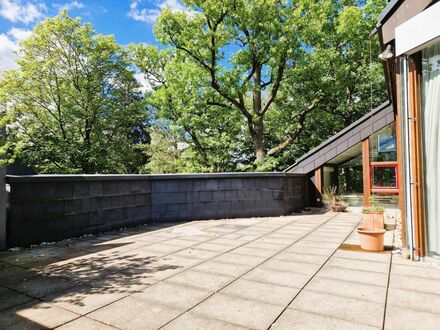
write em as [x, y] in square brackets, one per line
[335, 201]
[374, 207]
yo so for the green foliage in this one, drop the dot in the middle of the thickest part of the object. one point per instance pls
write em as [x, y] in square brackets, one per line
[190, 110]
[74, 102]
[238, 85]
[164, 153]
[5, 145]
[252, 85]
[334, 84]
[374, 207]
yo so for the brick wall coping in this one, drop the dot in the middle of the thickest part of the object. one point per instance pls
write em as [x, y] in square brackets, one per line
[125, 177]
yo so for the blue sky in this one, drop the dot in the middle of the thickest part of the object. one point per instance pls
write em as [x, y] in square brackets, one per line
[128, 20]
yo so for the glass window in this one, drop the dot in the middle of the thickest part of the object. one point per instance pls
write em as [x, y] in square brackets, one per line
[383, 146]
[384, 177]
[430, 92]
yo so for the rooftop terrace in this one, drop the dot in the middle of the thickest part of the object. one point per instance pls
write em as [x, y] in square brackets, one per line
[300, 271]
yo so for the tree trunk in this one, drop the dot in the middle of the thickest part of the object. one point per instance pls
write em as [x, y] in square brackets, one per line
[257, 138]
[258, 124]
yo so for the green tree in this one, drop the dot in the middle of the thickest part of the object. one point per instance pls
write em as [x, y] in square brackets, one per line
[181, 97]
[242, 48]
[75, 103]
[277, 67]
[163, 151]
[5, 147]
[341, 70]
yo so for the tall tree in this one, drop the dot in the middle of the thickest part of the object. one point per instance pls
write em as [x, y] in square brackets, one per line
[268, 59]
[243, 47]
[76, 105]
[190, 110]
[341, 68]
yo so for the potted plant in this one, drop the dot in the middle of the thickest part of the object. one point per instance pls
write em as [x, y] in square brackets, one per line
[336, 202]
[372, 216]
[371, 232]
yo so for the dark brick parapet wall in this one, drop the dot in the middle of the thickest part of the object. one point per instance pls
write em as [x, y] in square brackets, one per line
[54, 207]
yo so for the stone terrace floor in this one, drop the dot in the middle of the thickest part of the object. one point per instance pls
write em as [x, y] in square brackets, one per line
[302, 271]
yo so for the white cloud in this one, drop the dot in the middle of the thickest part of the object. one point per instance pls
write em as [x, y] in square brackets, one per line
[9, 45]
[19, 34]
[69, 5]
[150, 15]
[145, 84]
[7, 52]
[19, 11]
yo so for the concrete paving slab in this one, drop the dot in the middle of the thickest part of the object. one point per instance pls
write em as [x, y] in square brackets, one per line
[416, 269]
[294, 319]
[323, 238]
[363, 265]
[246, 313]
[121, 281]
[399, 260]
[414, 283]
[86, 324]
[348, 309]
[41, 286]
[409, 319]
[162, 248]
[310, 250]
[216, 267]
[258, 291]
[182, 242]
[294, 280]
[138, 314]
[173, 295]
[415, 300]
[253, 251]
[260, 245]
[192, 321]
[368, 292]
[10, 298]
[247, 238]
[358, 254]
[291, 266]
[226, 241]
[353, 275]
[214, 247]
[240, 259]
[314, 243]
[284, 233]
[300, 257]
[202, 280]
[35, 315]
[197, 253]
[85, 299]
[284, 241]
[232, 236]
[14, 274]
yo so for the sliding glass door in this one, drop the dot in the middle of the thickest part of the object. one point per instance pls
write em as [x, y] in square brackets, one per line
[430, 111]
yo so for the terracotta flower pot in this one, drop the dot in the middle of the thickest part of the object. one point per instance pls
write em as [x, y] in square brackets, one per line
[371, 239]
[373, 220]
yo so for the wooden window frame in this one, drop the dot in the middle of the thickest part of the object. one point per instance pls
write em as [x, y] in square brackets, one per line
[398, 119]
[414, 76]
[395, 188]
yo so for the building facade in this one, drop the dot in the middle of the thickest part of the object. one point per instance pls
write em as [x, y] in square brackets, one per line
[409, 32]
[392, 154]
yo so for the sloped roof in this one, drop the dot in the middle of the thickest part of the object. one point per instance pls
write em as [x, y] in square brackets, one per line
[361, 129]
